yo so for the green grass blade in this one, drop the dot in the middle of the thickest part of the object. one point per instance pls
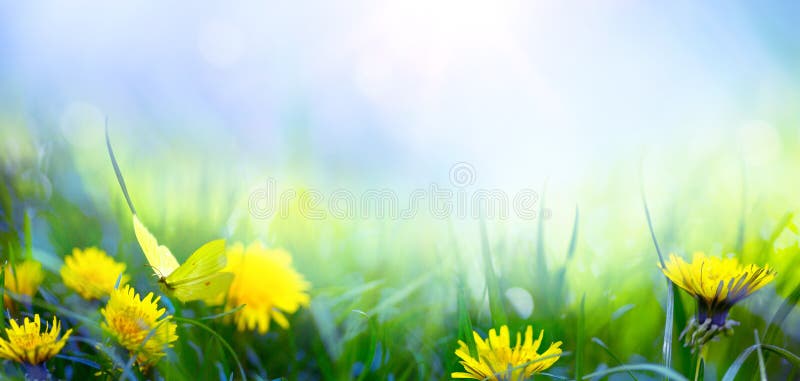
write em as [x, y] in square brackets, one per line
[109, 353]
[496, 307]
[373, 344]
[3, 296]
[542, 274]
[664, 371]
[117, 172]
[464, 321]
[733, 370]
[26, 229]
[743, 211]
[611, 354]
[650, 227]
[669, 327]
[223, 314]
[780, 315]
[573, 242]
[220, 338]
[681, 356]
[666, 349]
[779, 228]
[791, 357]
[400, 296]
[761, 368]
[580, 338]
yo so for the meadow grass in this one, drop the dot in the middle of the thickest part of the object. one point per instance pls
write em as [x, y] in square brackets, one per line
[390, 299]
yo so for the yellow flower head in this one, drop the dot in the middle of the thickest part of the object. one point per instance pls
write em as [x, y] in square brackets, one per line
[28, 344]
[131, 320]
[92, 273]
[266, 283]
[23, 279]
[716, 283]
[498, 360]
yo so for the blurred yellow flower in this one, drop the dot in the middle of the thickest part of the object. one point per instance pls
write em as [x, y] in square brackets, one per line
[498, 361]
[24, 279]
[717, 284]
[131, 320]
[28, 344]
[266, 283]
[92, 273]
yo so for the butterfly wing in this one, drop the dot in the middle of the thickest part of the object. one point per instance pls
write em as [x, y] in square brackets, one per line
[199, 277]
[206, 288]
[159, 256]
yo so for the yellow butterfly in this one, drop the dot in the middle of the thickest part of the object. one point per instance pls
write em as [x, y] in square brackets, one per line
[199, 278]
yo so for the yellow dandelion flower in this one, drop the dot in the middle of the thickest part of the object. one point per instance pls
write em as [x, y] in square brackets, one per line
[131, 320]
[23, 279]
[28, 344]
[92, 273]
[717, 284]
[266, 283]
[498, 361]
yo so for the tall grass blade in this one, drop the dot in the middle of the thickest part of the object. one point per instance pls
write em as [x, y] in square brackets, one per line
[117, 172]
[580, 339]
[400, 295]
[562, 272]
[664, 371]
[779, 228]
[780, 315]
[464, 321]
[373, 344]
[743, 211]
[3, 294]
[791, 301]
[542, 274]
[733, 370]
[761, 367]
[223, 314]
[605, 347]
[26, 228]
[496, 307]
[668, 325]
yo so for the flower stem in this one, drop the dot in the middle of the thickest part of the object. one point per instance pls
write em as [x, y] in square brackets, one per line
[699, 370]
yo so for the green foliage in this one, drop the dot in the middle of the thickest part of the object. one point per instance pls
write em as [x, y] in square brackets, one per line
[391, 299]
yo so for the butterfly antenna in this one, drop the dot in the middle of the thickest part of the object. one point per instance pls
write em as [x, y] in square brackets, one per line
[157, 272]
[120, 179]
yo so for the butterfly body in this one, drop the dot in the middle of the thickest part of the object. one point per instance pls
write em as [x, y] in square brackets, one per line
[199, 278]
